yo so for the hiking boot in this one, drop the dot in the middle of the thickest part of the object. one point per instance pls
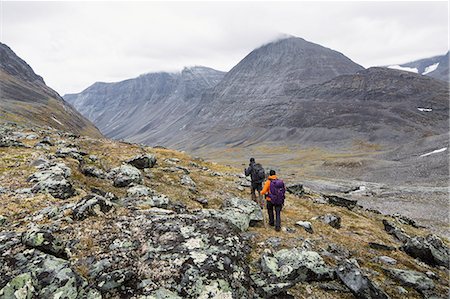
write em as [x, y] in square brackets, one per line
[271, 224]
[277, 229]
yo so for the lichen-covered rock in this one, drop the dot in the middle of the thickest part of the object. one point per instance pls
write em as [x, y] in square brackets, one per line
[236, 217]
[411, 278]
[115, 279]
[249, 207]
[306, 225]
[125, 175]
[91, 205]
[57, 186]
[143, 161]
[45, 241]
[430, 250]
[9, 142]
[52, 178]
[393, 230]
[332, 220]
[154, 201]
[187, 181]
[192, 256]
[162, 294]
[93, 171]
[287, 267]
[341, 201]
[296, 189]
[20, 287]
[41, 275]
[72, 152]
[360, 285]
[140, 191]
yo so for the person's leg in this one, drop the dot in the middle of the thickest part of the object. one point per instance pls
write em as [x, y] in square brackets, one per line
[260, 197]
[253, 193]
[270, 212]
[278, 217]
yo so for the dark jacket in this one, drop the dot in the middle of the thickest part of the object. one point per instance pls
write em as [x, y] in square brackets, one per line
[249, 172]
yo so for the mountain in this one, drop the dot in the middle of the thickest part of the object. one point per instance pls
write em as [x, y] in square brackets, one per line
[436, 67]
[271, 72]
[293, 98]
[149, 105]
[266, 77]
[26, 98]
[109, 219]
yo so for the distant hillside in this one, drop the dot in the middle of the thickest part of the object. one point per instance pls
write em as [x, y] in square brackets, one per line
[26, 98]
[150, 105]
[436, 67]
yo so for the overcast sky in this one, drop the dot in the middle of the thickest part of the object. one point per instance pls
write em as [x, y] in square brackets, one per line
[74, 44]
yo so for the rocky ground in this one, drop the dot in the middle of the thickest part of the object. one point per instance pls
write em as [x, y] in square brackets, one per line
[96, 218]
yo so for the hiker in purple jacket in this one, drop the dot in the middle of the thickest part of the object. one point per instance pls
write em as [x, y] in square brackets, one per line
[275, 190]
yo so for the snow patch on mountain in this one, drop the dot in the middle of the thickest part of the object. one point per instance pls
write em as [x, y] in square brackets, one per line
[434, 152]
[404, 68]
[430, 68]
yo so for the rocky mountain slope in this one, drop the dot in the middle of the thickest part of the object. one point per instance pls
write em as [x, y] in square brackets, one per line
[97, 218]
[436, 67]
[265, 75]
[25, 97]
[152, 105]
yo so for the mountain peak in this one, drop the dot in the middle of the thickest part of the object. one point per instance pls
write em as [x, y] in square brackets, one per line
[15, 66]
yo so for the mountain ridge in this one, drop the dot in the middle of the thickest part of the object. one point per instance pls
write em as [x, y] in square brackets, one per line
[25, 97]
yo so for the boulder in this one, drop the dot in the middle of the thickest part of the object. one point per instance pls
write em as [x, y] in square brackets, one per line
[45, 276]
[341, 201]
[249, 207]
[194, 256]
[409, 278]
[187, 181]
[157, 201]
[20, 287]
[391, 229]
[52, 178]
[430, 250]
[379, 246]
[57, 186]
[44, 241]
[115, 279]
[386, 260]
[140, 191]
[143, 161]
[359, 284]
[125, 175]
[92, 171]
[9, 142]
[287, 267]
[91, 205]
[269, 289]
[306, 225]
[332, 220]
[71, 152]
[201, 200]
[296, 189]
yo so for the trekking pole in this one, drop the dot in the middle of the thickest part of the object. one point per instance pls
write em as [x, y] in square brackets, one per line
[261, 202]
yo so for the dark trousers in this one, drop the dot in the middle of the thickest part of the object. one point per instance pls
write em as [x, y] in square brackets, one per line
[277, 220]
[256, 188]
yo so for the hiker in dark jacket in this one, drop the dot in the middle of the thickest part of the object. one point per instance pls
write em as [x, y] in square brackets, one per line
[274, 189]
[256, 173]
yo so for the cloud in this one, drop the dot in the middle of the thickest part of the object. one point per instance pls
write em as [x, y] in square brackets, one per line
[74, 44]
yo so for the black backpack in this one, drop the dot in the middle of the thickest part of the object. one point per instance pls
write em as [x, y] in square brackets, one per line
[258, 174]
